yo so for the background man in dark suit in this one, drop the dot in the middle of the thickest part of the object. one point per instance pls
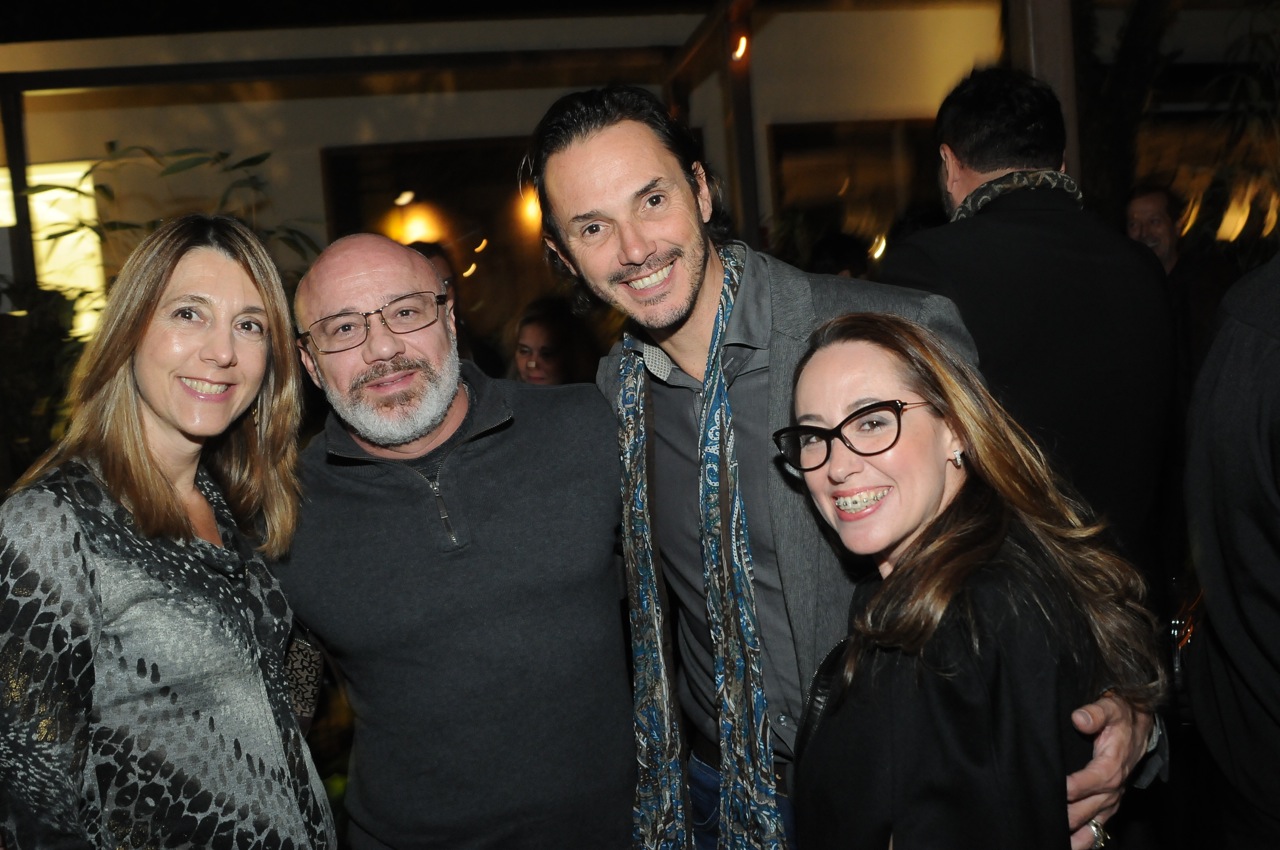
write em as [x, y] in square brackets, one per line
[1072, 328]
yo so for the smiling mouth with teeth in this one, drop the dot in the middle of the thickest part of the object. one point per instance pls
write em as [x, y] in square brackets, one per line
[652, 280]
[860, 501]
[204, 387]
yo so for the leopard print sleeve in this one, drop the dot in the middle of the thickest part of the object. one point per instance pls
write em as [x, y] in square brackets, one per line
[50, 623]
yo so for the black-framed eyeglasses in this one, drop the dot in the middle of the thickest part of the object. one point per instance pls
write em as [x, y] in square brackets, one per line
[406, 314]
[870, 430]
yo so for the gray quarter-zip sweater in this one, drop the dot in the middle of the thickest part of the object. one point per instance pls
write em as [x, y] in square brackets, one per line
[477, 620]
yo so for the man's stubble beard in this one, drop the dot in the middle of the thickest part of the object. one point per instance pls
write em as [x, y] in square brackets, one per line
[405, 416]
[676, 315]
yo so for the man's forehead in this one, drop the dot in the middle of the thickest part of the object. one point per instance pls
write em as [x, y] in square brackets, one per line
[366, 276]
[626, 138]
[624, 158]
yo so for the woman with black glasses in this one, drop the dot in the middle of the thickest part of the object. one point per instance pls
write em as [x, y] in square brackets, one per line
[944, 719]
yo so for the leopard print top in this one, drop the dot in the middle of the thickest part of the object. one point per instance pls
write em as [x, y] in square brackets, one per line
[142, 694]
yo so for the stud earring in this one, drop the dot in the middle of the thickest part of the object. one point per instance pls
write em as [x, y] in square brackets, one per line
[957, 457]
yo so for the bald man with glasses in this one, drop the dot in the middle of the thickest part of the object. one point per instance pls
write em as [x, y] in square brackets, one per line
[456, 556]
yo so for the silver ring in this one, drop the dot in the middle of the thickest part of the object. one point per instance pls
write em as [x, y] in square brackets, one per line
[1100, 836]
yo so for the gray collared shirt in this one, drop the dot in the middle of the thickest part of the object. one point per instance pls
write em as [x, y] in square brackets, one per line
[677, 404]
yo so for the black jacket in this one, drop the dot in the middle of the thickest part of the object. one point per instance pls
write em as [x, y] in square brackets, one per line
[1074, 338]
[1233, 510]
[964, 747]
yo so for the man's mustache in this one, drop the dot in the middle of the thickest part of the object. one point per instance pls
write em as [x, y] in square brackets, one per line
[381, 370]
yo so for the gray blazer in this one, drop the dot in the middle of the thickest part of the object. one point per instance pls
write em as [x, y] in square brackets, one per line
[816, 583]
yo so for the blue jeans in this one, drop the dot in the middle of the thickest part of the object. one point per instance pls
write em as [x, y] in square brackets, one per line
[704, 806]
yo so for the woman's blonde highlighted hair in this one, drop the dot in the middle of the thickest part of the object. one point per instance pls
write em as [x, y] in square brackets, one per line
[1009, 484]
[253, 460]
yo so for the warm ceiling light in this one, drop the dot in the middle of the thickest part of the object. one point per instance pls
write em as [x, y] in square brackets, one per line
[1189, 217]
[484, 243]
[1237, 214]
[741, 49]
[416, 222]
[878, 246]
[532, 212]
[470, 271]
[404, 198]
[1269, 222]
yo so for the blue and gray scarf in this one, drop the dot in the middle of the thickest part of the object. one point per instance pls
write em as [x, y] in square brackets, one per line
[748, 805]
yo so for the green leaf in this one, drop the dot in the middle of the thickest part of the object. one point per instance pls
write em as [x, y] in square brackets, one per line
[53, 237]
[250, 162]
[186, 165]
[51, 187]
[292, 244]
[303, 237]
[128, 153]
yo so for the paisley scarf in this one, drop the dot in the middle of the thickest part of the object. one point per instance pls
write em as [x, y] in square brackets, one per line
[1015, 181]
[748, 804]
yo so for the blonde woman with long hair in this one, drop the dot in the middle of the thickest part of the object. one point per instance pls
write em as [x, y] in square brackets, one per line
[142, 635]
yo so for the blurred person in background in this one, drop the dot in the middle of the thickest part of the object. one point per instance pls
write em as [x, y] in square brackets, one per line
[840, 254]
[553, 346]
[1195, 281]
[142, 634]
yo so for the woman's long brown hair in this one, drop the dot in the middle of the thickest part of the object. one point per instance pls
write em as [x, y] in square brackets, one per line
[253, 460]
[1009, 484]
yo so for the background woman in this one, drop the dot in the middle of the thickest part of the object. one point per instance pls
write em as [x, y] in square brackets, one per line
[553, 346]
[996, 611]
[142, 637]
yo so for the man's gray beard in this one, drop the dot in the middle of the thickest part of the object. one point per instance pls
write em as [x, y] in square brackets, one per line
[407, 417]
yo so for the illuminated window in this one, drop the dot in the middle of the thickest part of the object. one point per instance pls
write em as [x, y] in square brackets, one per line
[71, 263]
